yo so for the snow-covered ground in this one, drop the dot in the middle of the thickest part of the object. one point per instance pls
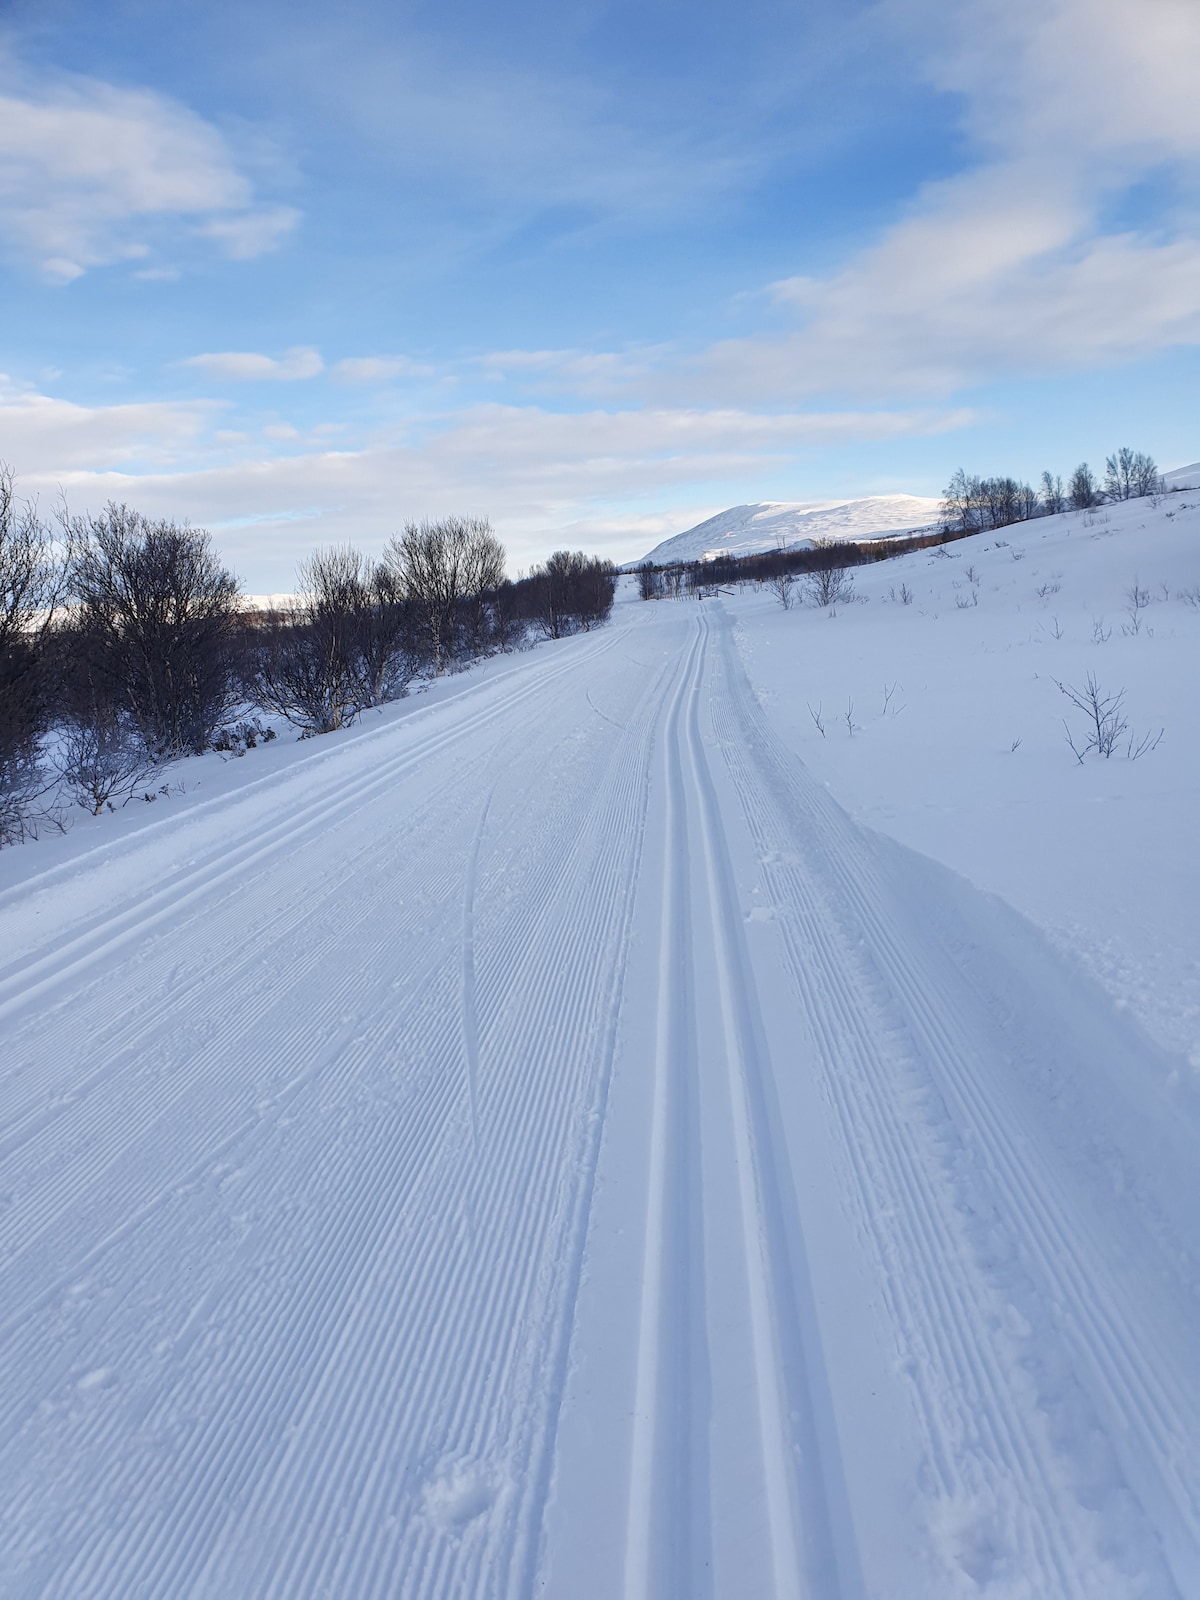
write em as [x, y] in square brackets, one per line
[777, 525]
[585, 1133]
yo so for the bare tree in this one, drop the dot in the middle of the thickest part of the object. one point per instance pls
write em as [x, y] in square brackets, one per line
[32, 586]
[439, 564]
[386, 649]
[161, 612]
[960, 508]
[829, 583]
[1083, 490]
[1053, 500]
[1129, 474]
[649, 581]
[572, 591]
[297, 669]
[781, 586]
[347, 643]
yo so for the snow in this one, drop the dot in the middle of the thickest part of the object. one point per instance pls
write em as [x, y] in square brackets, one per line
[774, 525]
[1183, 477]
[585, 1133]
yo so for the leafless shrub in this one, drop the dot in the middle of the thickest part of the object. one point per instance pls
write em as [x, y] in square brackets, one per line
[241, 736]
[1048, 588]
[816, 716]
[1103, 716]
[1100, 634]
[1105, 723]
[570, 592]
[830, 583]
[156, 618]
[782, 586]
[102, 755]
[1144, 745]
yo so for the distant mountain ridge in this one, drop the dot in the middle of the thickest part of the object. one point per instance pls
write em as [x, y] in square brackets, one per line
[745, 530]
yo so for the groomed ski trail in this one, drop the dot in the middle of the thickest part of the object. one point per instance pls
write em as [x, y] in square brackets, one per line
[541, 1146]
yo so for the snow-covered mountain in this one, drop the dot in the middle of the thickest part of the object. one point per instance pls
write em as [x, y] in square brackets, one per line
[1184, 477]
[744, 530]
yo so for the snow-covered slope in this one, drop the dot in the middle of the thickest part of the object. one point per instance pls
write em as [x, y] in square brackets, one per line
[705, 1110]
[1184, 477]
[744, 530]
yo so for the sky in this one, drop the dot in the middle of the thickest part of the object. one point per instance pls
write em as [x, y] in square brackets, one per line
[300, 274]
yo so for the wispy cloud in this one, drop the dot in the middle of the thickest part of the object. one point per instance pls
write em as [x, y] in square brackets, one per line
[1009, 267]
[248, 366]
[50, 439]
[537, 473]
[91, 174]
[379, 369]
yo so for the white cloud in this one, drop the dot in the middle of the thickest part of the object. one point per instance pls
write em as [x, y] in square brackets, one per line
[247, 366]
[543, 478]
[91, 174]
[379, 369]
[595, 374]
[47, 439]
[247, 234]
[1009, 266]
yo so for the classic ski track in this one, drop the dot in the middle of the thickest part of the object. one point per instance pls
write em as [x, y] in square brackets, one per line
[331, 1264]
[662, 1523]
[812, 1541]
[812, 1550]
[856, 982]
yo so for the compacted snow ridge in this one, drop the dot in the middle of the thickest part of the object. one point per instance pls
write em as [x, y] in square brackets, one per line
[588, 1132]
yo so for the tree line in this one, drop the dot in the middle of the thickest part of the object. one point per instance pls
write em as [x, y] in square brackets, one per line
[973, 505]
[125, 642]
[818, 560]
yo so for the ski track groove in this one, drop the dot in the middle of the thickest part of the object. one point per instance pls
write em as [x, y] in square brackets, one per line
[659, 1556]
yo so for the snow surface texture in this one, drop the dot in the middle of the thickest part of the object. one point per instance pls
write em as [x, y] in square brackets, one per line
[777, 525]
[543, 1143]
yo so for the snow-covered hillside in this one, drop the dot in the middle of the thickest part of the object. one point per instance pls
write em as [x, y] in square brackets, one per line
[1184, 477]
[707, 1108]
[744, 530]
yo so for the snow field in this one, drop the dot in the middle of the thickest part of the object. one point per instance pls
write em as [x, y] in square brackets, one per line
[1100, 856]
[543, 1144]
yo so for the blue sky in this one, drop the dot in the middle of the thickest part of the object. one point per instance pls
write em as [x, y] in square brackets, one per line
[299, 273]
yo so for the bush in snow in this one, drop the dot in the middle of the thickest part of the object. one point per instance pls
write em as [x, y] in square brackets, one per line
[32, 586]
[155, 621]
